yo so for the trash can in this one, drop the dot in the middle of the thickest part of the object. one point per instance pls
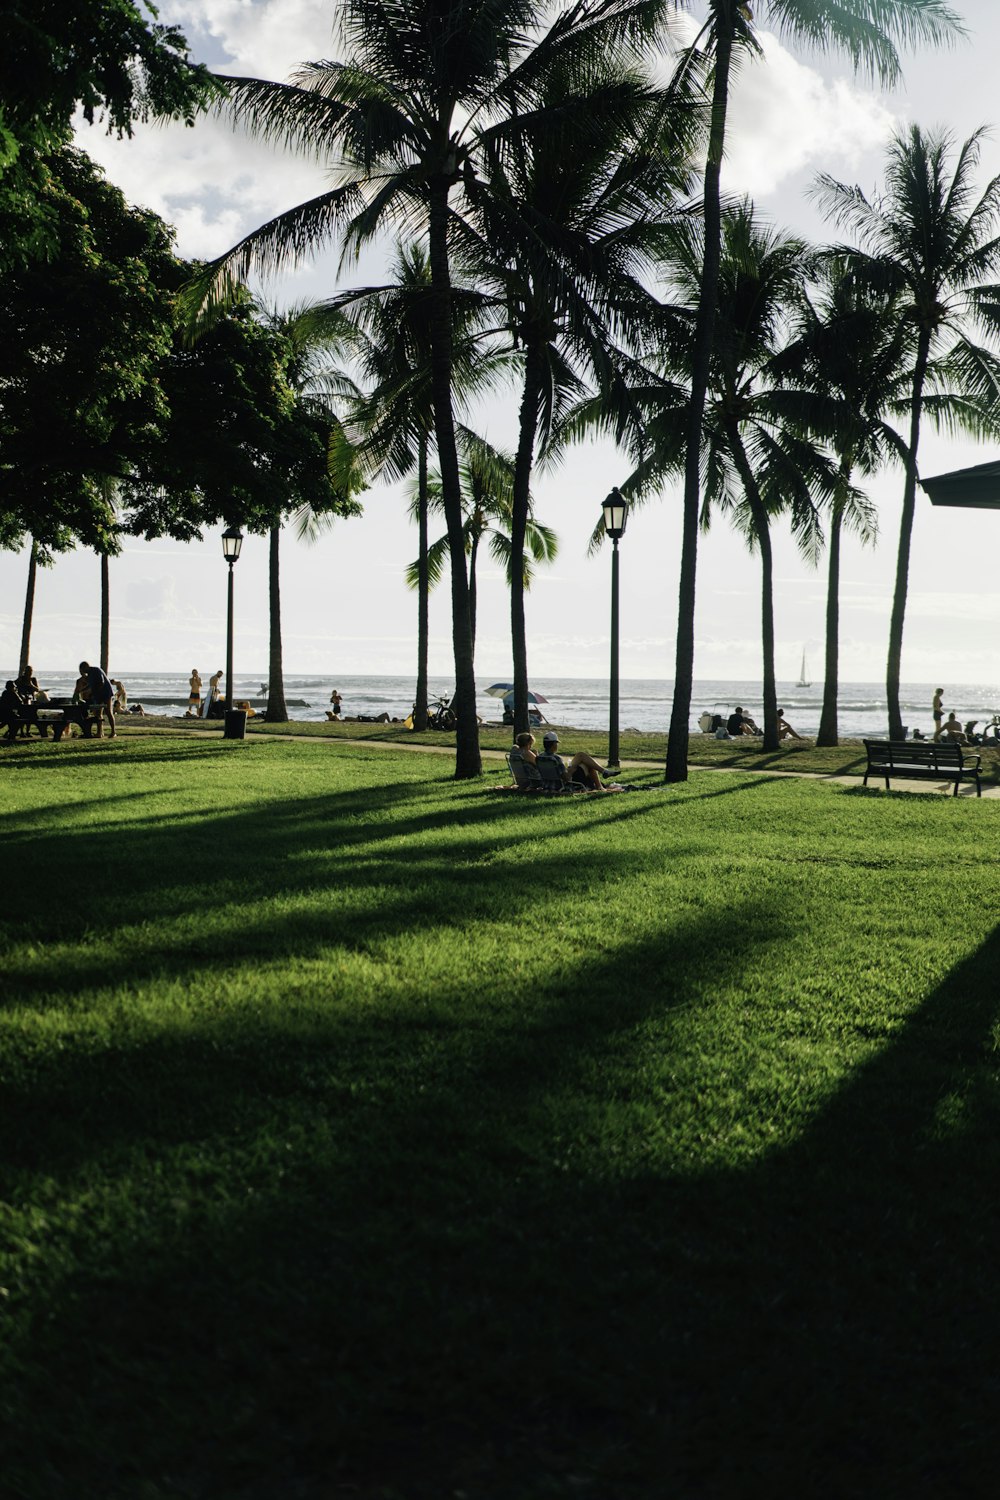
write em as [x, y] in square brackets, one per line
[236, 724]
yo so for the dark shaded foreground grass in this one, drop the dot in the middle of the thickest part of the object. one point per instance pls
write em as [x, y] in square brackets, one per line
[369, 1135]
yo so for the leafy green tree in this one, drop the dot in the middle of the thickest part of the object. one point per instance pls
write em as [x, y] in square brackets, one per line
[867, 30]
[930, 241]
[109, 57]
[429, 88]
[82, 336]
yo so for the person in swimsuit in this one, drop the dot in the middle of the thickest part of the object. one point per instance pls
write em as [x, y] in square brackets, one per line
[937, 709]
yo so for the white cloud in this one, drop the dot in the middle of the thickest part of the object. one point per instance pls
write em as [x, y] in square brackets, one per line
[785, 117]
[263, 38]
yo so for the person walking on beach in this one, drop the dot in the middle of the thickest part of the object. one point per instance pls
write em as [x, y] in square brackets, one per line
[99, 691]
[194, 696]
[937, 710]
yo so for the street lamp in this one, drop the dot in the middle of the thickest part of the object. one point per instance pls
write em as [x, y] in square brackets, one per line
[232, 541]
[615, 515]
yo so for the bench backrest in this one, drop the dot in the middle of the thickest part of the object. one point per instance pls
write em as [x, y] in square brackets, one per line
[929, 753]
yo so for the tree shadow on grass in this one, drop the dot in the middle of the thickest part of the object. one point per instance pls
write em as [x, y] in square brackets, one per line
[434, 1288]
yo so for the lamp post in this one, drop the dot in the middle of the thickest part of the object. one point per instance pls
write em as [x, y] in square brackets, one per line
[232, 541]
[615, 515]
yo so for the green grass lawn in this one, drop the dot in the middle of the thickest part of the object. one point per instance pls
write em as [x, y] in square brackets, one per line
[372, 1135]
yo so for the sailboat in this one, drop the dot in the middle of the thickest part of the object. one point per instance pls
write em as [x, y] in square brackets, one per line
[803, 681]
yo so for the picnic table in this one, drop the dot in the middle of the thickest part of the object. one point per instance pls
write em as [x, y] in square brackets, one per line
[56, 714]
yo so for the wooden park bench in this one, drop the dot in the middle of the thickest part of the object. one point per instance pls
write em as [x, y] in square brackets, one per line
[922, 760]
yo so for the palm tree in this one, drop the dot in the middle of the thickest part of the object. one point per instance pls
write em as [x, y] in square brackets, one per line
[867, 31]
[759, 459]
[310, 343]
[34, 558]
[930, 241]
[852, 347]
[429, 88]
[488, 478]
[393, 423]
[568, 225]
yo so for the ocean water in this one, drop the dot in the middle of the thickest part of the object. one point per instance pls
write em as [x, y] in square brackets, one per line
[578, 701]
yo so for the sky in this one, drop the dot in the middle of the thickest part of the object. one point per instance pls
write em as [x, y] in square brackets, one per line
[346, 608]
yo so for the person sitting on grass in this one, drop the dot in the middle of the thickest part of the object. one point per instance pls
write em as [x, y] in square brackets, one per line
[952, 730]
[583, 768]
[785, 729]
[738, 723]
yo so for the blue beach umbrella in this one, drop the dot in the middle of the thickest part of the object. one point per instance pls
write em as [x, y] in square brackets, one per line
[505, 690]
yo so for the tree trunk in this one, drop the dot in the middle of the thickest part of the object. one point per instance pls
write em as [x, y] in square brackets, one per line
[762, 526]
[528, 428]
[29, 606]
[680, 716]
[276, 711]
[473, 555]
[898, 616]
[423, 592]
[105, 612]
[468, 761]
[828, 728]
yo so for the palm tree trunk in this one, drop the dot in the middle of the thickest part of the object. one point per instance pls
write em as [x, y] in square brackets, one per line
[29, 606]
[762, 527]
[105, 612]
[828, 727]
[680, 715]
[521, 500]
[276, 711]
[898, 616]
[473, 555]
[423, 592]
[468, 761]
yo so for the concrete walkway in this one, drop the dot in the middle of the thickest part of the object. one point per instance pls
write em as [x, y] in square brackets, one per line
[934, 787]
